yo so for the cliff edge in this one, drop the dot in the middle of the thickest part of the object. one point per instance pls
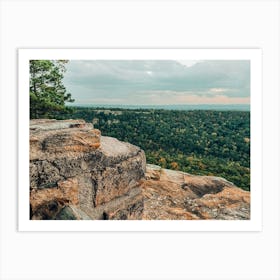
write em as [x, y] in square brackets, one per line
[75, 173]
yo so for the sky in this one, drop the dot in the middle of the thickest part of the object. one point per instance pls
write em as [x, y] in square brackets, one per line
[158, 82]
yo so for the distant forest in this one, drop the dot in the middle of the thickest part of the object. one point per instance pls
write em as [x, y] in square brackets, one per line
[202, 142]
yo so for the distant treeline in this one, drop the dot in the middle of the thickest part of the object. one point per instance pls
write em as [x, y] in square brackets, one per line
[203, 142]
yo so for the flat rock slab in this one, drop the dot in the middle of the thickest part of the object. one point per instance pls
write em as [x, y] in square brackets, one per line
[112, 147]
[49, 124]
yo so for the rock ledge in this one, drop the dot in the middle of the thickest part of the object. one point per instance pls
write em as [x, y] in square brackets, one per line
[72, 165]
[75, 173]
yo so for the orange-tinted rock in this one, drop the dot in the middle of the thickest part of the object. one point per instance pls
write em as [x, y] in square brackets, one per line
[52, 138]
[177, 196]
[64, 193]
[72, 166]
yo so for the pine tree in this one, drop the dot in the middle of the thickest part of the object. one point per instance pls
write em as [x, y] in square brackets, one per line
[47, 92]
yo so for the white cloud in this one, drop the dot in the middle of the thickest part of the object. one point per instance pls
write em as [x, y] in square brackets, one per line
[188, 63]
[219, 90]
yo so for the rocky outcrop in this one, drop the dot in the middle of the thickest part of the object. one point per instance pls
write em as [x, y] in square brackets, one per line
[75, 173]
[72, 165]
[177, 195]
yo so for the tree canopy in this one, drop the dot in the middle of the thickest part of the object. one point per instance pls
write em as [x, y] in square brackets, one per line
[47, 92]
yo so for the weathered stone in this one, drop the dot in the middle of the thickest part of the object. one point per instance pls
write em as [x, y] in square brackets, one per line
[47, 211]
[51, 139]
[72, 165]
[66, 213]
[65, 192]
[177, 195]
[71, 213]
[127, 207]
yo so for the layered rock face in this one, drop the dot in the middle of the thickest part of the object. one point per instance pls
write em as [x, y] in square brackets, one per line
[75, 173]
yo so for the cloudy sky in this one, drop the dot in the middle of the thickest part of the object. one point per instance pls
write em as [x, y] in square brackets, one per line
[158, 82]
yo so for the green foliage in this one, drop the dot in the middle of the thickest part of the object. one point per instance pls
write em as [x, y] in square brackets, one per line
[47, 92]
[200, 142]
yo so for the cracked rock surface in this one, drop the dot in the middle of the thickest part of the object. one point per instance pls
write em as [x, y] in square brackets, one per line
[71, 164]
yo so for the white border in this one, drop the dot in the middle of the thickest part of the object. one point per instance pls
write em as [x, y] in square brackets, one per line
[254, 55]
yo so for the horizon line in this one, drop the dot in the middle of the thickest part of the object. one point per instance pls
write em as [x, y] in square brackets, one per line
[191, 104]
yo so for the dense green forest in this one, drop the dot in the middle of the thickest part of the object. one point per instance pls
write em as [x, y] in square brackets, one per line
[199, 141]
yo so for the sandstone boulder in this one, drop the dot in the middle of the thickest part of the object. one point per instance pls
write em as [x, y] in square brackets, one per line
[72, 165]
